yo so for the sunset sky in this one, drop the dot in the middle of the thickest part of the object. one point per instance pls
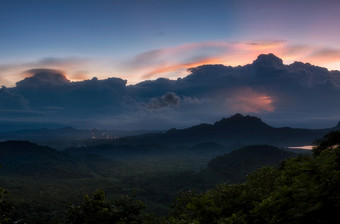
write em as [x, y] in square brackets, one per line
[50, 52]
[146, 39]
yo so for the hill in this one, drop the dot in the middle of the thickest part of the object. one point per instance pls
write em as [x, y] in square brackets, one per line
[235, 166]
[29, 159]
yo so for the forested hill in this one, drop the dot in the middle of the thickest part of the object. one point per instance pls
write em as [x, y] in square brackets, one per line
[29, 159]
[236, 165]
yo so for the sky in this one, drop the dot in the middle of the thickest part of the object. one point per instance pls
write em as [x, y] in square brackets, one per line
[134, 41]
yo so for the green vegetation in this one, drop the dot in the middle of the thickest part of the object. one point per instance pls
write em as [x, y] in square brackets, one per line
[304, 189]
[235, 166]
[300, 189]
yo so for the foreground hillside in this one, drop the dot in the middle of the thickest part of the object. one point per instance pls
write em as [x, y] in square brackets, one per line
[44, 181]
[302, 189]
[235, 166]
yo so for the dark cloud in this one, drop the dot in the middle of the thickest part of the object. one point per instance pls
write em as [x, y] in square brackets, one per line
[11, 100]
[267, 88]
[64, 62]
[43, 78]
[168, 99]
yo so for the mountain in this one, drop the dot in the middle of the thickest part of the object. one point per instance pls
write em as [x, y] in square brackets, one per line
[237, 129]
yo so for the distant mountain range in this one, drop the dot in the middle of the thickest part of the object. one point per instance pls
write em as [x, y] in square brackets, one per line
[232, 132]
[235, 130]
[67, 137]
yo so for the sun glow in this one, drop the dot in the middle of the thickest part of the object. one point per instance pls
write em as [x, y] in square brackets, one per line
[248, 100]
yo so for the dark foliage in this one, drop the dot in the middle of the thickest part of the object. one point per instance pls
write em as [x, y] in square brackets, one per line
[304, 189]
[125, 209]
[235, 166]
[329, 141]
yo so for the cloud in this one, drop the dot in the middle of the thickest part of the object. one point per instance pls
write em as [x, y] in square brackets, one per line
[249, 101]
[178, 67]
[11, 100]
[172, 62]
[266, 44]
[326, 55]
[155, 62]
[43, 78]
[167, 100]
[64, 62]
[10, 73]
[266, 87]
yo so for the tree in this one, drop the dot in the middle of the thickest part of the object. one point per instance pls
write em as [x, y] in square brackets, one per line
[308, 192]
[329, 141]
[304, 189]
[5, 207]
[125, 209]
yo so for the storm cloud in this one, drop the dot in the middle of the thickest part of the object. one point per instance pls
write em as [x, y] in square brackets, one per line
[297, 94]
[168, 99]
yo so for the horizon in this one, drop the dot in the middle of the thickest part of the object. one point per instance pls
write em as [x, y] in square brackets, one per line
[179, 128]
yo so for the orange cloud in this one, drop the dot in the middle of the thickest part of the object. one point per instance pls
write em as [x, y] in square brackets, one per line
[268, 44]
[173, 62]
[176, 67]
[168, 62]
[247, 100]
[78, 76]
[326, 56]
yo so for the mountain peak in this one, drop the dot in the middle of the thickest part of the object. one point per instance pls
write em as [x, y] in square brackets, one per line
[238, 121]
[237, 116]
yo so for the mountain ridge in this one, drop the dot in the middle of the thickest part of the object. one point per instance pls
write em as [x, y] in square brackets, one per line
[236, 129]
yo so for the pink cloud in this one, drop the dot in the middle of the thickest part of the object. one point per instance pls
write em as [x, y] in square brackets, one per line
[326, 55]
[247, 100]
[172, 62]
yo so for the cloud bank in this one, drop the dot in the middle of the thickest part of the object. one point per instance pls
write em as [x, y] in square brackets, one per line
[294, 94]
[173, 62]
